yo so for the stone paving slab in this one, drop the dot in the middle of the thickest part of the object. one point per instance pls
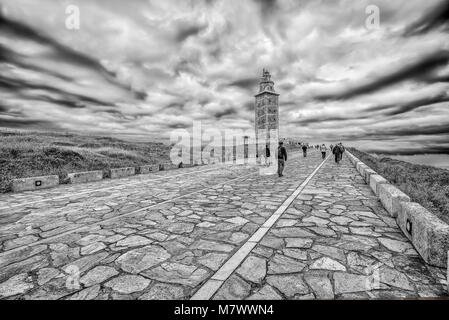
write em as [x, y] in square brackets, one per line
[153, 240]
[335, 241]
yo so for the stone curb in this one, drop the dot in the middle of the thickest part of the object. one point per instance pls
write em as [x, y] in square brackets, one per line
[34, 183]
[82, 177]
[428, 234]
[391, 198]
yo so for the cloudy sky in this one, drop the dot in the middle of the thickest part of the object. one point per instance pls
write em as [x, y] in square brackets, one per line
[147, 67]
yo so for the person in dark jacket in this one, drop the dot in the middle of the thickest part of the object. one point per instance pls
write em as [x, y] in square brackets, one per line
[338, 152]
[267, 155]
[282, 157]
[304, 150]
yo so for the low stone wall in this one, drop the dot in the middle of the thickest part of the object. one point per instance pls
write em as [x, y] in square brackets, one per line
[34, 183]
[168, 166]
[147, 169]
[391, 198]
[82, 177]
[121, 172]
[375, 182]
[428, 234]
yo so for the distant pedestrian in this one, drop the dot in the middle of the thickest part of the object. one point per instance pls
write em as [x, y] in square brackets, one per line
[338, 152]
[323, 151]
[304, 150]
[282, 157]
[267, 156]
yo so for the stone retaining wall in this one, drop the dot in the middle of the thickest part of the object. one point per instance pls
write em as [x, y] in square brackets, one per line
[34, 183]
[148, 168]
[82, 177]
[121, 172]
[428, 234]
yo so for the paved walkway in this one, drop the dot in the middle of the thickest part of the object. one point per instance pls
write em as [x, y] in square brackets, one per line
[166, 235]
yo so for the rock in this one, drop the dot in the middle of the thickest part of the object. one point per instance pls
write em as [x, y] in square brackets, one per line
[348, 283]
[238, 237]
[212, 246]
[281, 264]
[205, 224]
[180, 227]
[18, 284]
[213, 260]
[320, 284]
[62, 253]
[272, 242]
[330, 251]
[98, 275]
[395, 245]
[27, 265]
[234, 288]
[315, 220]
[364, 231]
[298, 242]
[21, 254]
[21, 241]
[237, 220]
[140, 259]
[87, 262]
[326, 263]
[162, 291]
[253, 269]
[324, 231]
[360, 263]
[86, 294]
[295, 253]
[47, 274]
[289, 285]
[341, 220]
[286, 223]
[265, 293]
[92, 248]
[128, 284]
[356, 243]
[294, 232]
[134, 241]
[395, 278]
[173, 272]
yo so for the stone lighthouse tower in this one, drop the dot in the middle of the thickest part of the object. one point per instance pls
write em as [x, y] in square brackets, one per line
[266, 114]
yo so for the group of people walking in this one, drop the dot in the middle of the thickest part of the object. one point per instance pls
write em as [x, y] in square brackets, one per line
[337, 150]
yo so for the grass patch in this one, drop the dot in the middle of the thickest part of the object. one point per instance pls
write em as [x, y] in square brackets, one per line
[426, 185]
[28, 154]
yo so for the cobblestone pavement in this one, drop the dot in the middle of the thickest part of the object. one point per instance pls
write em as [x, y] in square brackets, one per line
[168, 231]
[335, 241]
[162, 236]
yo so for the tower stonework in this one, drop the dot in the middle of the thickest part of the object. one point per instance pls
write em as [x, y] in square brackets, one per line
[266, 113]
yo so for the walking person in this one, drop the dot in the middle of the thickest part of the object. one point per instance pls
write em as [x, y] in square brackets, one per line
[338, 151]
[323, 151]
[282, 157]
[304, 150]
[342, 150]
[267, 156]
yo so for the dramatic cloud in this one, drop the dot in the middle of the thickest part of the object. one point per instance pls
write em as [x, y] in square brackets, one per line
[144, 68]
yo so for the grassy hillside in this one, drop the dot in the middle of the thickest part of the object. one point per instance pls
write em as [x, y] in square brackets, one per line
[426, 185]
[27, 154]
